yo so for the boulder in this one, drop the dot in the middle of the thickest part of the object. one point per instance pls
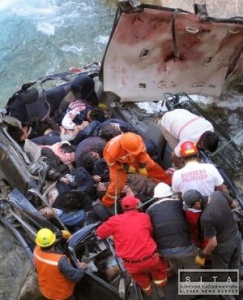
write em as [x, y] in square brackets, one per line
[17, 273]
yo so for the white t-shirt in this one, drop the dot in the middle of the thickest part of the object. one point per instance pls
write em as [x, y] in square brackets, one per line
[203, 177]
[185, 126]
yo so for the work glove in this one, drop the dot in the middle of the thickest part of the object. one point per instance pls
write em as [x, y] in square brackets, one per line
[129, 169]
[66, 234]
[200, 259]
[143, 171]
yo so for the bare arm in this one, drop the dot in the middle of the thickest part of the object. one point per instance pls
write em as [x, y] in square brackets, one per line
[223, 188]
[178, 161]
[234, 204]
[212, 243]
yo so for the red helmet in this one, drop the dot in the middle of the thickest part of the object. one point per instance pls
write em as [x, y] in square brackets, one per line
[188, 149]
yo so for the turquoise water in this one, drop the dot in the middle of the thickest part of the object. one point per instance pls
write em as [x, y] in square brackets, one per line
[40, 37]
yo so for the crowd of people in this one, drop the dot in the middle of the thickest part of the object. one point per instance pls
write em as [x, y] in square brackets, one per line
[103, 169]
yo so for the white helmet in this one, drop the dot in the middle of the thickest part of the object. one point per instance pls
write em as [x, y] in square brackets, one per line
[162, 190]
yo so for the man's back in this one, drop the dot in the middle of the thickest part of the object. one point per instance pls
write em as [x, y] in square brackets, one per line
[132, 234]
[203, 177]
[217, 218]
[180, 125]
[169, 223]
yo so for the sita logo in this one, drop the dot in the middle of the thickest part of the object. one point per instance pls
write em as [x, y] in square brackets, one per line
[214, 278]
[208, 282]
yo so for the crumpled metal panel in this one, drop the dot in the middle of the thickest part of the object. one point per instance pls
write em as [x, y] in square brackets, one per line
[143, 61]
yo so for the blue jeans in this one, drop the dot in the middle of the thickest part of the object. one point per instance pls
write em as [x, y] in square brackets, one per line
[73, 218]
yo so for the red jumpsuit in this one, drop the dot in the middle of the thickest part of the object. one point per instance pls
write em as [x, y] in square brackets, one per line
[134, 244]
[116, 158]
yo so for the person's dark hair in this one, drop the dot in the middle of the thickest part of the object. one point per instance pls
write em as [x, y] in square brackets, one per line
[210, 141]
[100, 168]
[108, 131]
[88, 160]
[67, 148]
[38, 126]
[15, 132]
[97, 114]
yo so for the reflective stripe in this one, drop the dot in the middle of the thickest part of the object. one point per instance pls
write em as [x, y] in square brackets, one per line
[160, 282]
[47, 261]
[187, 123]
[125, 156]
[110, 196]
[148, 288]
[110, 164]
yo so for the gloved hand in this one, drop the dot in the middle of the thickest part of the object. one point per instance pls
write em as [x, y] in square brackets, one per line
[129, 169]
[143, 171]
[200, 259]
[66, 234]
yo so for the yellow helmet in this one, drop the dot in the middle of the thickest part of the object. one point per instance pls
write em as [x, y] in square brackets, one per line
[45, 238]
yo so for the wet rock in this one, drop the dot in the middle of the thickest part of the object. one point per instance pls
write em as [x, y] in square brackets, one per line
[18, 278]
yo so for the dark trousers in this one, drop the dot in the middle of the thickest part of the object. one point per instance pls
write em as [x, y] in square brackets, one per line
[227, 255]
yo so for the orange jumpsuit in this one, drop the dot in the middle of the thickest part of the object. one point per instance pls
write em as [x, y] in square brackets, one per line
[116, 158]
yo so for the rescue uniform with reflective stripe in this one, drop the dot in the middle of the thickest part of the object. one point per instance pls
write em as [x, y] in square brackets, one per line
[133, 242]
[53, 283]
[116, 157]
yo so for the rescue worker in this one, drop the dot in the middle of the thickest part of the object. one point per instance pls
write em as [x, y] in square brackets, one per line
[203, 177]
[180, 125]
[131, 232]
[224, 238]
[113, 127]
[56, 275]
[171, 230]
[126, 153]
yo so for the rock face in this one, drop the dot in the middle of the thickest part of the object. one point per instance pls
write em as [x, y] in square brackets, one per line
[17, 274]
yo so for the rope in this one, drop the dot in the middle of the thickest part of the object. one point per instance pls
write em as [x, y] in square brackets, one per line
[231, 140]
[116, 193]
[146, 202]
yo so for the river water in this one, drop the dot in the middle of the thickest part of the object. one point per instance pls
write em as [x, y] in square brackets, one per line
[40, 37]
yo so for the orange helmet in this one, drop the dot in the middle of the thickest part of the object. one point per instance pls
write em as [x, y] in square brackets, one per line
[132, 143]
[188, 149]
